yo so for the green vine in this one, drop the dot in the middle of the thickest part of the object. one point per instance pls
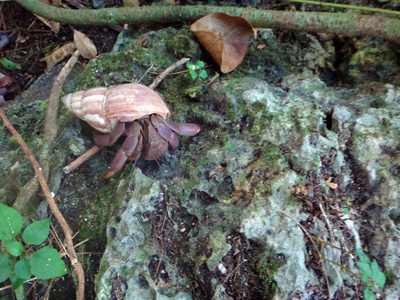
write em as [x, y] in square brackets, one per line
[346, 6]
[339, 23]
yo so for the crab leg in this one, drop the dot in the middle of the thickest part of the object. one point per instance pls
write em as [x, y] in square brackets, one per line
[138, 150]
[109, 138]
[126, 150]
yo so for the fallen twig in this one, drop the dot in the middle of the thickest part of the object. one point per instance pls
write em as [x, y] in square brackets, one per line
[168, 70]
[50, 132]
[226, 279]
[324, 273]
[81, 159]
[50, 123]
[53, 206]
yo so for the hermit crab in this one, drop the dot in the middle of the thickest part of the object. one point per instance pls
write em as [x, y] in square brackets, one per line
[131, 109]
[7, 85]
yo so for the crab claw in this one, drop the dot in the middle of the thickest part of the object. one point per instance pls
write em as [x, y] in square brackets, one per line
[188, 129]
[165, 132]
[155, 146]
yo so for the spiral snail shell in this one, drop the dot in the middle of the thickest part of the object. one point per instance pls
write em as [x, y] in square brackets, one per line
[103, 107]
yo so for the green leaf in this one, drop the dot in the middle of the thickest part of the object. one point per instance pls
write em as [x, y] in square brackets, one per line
[14, 247]
[374, 269]
[363, 257]
[346, 210]
[380, 279]
[9, 65]
[365, 270]
[193, 74]
[371, 286]
[199, 64]
[203, 74]
[368, 295]
[5, 267]
[16, 281]
[23, 269]
[37, 232]
[11, 222]
[46, 263]
[192, 71]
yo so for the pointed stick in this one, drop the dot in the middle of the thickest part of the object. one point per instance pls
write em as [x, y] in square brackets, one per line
[81, 159]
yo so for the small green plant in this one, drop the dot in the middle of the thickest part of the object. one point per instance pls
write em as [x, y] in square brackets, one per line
[45, 263]
[370, 274]
[196, 70]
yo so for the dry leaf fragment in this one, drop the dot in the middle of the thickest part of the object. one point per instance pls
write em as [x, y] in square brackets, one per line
[300, 190]
[53, 25]
[260, 46]
[58, 55]
[84, 45]
[226, 38]
[331, 184]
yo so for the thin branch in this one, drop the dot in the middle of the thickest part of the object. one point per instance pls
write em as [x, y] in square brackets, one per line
[50, 124]
[50, 132]
[324, 273]
[226, 279]
[81, 159]
[167, 71]
[350, 24]
[25, 194]
[53, 206]
[347, 6]
[10, 286]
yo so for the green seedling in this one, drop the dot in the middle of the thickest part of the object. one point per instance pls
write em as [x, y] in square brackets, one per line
[370, 274]
[45, 263]
[195, 70]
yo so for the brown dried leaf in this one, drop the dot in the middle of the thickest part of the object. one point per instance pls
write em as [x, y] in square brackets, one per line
[300, 190]
[84, 45]
[331, 184]
[58, 55]
[260, 46]
[226, 38]
[53, 25]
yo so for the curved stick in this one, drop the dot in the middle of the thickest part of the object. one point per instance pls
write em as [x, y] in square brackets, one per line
[53, 206]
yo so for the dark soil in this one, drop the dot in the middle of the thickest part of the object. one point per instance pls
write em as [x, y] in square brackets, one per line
[30, 40]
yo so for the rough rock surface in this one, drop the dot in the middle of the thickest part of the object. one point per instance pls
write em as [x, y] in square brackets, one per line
[287, 178]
